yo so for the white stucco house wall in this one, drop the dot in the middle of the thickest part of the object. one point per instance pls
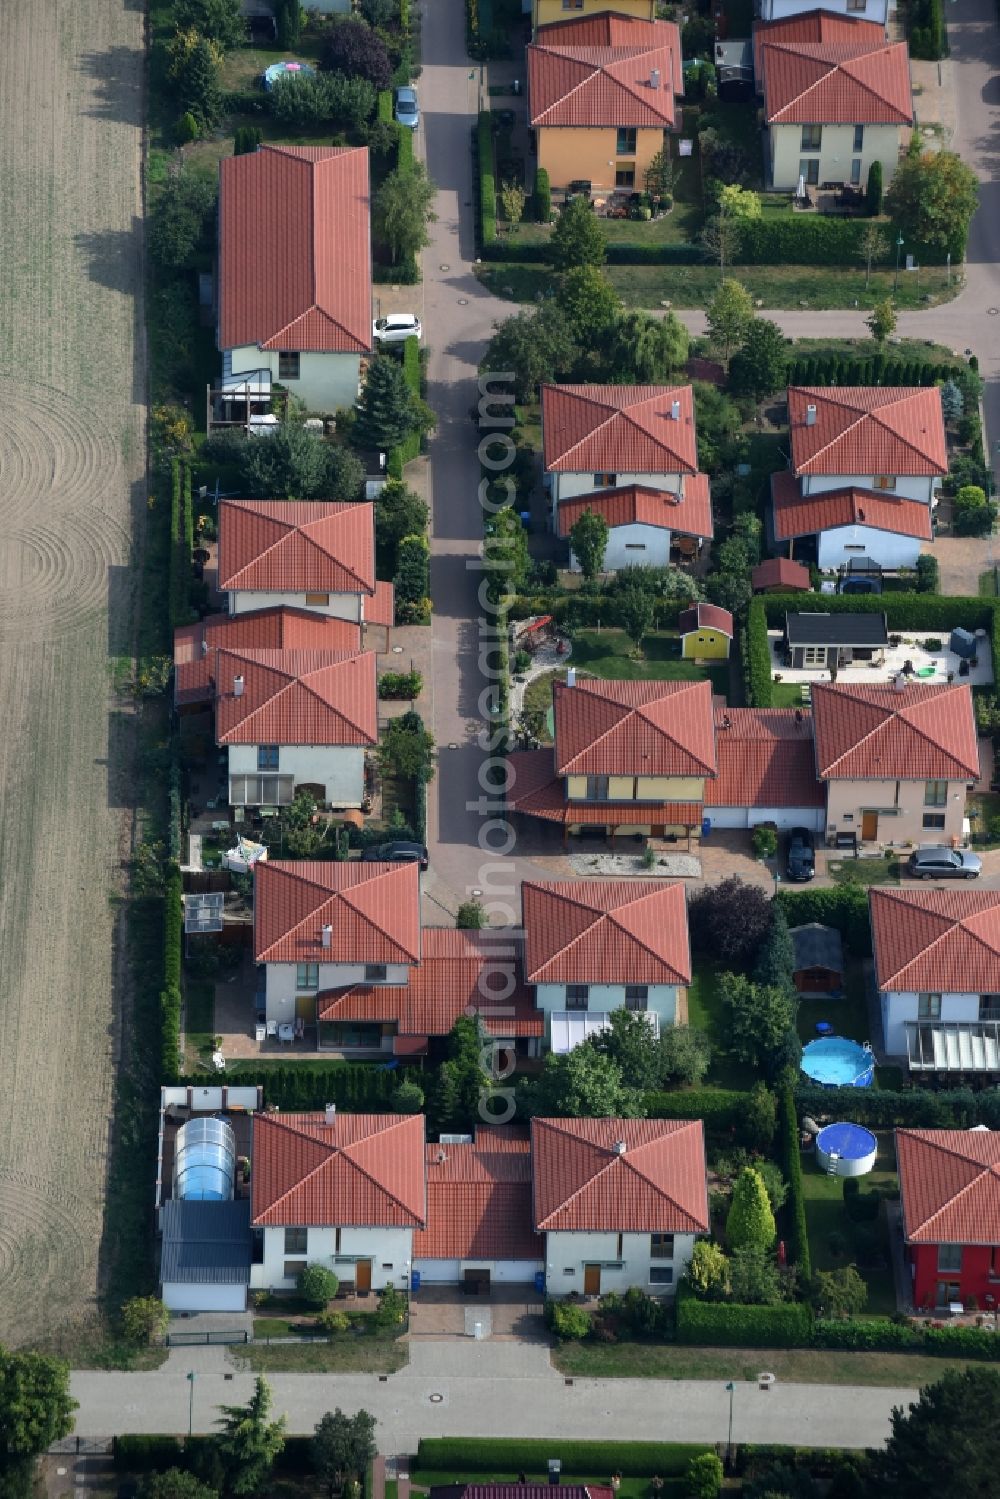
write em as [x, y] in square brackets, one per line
[868, 10]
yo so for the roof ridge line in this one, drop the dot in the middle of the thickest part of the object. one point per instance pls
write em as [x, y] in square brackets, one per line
[904, 713]
[982, 1169]
[321, 520]
[277, 1121]
[393, 1197]
[591, 401]
[593, 70]
[312, 691]
[927, 948]
[611, 1158]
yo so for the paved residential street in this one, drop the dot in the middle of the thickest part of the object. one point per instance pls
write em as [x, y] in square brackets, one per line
[509, 1388]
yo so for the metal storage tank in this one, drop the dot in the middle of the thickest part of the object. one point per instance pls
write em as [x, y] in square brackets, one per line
[846, 1150]
[205, 1161]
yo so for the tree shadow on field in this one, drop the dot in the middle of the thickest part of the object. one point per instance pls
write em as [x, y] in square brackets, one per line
[117, 74]
[114, 260]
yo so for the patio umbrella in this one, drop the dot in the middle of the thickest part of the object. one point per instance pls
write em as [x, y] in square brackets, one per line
[800, 191]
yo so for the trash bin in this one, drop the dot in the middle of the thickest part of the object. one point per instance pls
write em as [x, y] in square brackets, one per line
[414, 1282]
[540, 1282]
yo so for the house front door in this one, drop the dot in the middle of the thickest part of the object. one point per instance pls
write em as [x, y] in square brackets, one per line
[869, 827]
[592, 1280]
[363, 1275]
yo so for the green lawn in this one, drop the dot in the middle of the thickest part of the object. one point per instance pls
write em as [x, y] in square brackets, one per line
[786, 695]
[799, 1365]
[849, 1015]
[344, 1356]
[988, 584]
[199, 1016]
[863, 871]
[983, 810]
[825, 1216]
[705, 1014]
[818, 288]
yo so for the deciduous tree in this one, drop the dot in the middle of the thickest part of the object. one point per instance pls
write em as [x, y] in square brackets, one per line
[754, 1276]
[401, 211]
[729, 919]
[873, 243]
[353, 48]
[882, 320]
[636, 609]
[729, 316]
[582, 1084]
[932, 199]
[317, 1285]
[646, 350]
[708, 1271]
[578, 238]
[342, 1448]
[589, 303]
[760, 365]
[513, 199]
[221, 21]
[588, 541]
[175, 1483]
[757, 1019]
[194, 75]
[144, 1319]
[36, 1408]
[532, 347]
[179, 219]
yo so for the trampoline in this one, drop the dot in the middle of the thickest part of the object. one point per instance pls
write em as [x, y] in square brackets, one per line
[846, 1149]
[836, 1062]
[286, 70]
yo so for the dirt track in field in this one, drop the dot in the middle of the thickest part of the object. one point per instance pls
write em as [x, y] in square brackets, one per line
[72, 441]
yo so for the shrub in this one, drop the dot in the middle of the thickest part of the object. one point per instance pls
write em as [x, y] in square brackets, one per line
[391, 1310]
[765, 842]
[704, 1475]
[465, 1455]
[317, 1285]
[334, 1323]
[542, 198]
[873, 193]
[567, 1320]
[487, 180]
[400, 684]
[730, 1325]
[143, 1453]
[928, 573]
[354, 49]
[144, 1319]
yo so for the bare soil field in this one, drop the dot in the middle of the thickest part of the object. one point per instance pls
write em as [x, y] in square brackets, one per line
[72, 457]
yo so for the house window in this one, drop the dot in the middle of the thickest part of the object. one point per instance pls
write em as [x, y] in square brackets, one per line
[605, 481]
[572, 4]
[267, 757]
[625, 177]
[949, 1257]
[809, 170]
[296, 1241]
[856, 168]
[336, 1241]
[854, 546]
[625, 141]
[635, 546]
[597, 788]
[293, 1269]
[375, 973]
[928, 1007]
[856, 5]
[307, 975]
[884, 481]
[318, 600]
[661, 1275]
[859, 143]
[935, 793]
[620, 1246]
[812, 137]
[636, 996]
[577, 996]
[814, 655]
[288, 366]
[661, 1246]
[933, 821]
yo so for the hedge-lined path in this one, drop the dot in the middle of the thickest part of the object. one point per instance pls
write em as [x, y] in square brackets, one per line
[493, 1389]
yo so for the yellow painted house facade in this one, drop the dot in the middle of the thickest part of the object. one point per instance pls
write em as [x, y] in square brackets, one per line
[609, 159]
[548, 12]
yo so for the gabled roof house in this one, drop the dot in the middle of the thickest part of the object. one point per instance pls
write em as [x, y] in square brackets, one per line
[863, 11]
[949, 1191]
[196, 646]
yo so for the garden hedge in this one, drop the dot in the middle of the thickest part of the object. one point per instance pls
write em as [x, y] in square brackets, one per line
[355, 1087]
[724, 1324]
[842, 906]
[170, 997]
[841, 367]
[795, 1210]
[723, 1112]
[145, 1453]
[882, 1335]
[757, 656]
[383, 107]
[542, 197]
[487, 181]
[910, 1108]
[580, 1459]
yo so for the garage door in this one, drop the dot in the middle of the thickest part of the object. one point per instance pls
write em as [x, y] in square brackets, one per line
[199, 1298]
[438, 1272]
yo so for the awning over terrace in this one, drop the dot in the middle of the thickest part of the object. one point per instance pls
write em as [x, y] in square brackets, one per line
[969, 1046]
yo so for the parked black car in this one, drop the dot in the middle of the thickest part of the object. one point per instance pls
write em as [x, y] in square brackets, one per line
[800, 862]
[397, 853]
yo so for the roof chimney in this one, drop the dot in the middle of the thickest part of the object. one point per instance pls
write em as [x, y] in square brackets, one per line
[571, 676]
[330, 1112]
[326, 935]
[441, 1157]
[899, 682]
[675, 411]
[810, 415]
[238, 685]
[654, 78]
[619, 1147]
[727, 722]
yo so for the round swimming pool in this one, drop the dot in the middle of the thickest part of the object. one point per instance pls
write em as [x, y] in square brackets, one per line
[836, 1062]
[846, 1149]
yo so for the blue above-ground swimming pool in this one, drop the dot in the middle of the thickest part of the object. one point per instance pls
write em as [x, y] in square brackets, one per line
[836, 1062]
[846, 1149]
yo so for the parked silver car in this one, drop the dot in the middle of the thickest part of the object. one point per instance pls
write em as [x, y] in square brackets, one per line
[407, 109]
[944, 864]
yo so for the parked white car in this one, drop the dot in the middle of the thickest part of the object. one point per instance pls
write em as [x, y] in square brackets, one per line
[396, 327]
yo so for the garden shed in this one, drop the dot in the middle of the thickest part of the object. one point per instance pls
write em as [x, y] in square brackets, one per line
[819, 959]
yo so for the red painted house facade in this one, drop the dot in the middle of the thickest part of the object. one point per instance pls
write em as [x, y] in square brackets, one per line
[949, 1184]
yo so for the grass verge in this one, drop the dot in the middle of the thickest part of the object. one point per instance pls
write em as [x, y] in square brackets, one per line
[797, 1365]
[352, 1356]
[863, 871]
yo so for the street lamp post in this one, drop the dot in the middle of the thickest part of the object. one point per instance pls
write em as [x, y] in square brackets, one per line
[729, 1445]
[899, 246]
[191, 1380]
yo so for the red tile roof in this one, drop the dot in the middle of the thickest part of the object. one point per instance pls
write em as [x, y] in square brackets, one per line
[296, 697]
[705, 617]
[605, 932]
[796, 514]
[913, 733]
[949, 1185]
[689, 514]
[634, 728]
[619, 429]
[656, 1185]
[780, 572]
[195, 646]
[578, 80]
[936, 941]
[295, 249]
[381, 608]
[766, 759]
[536, 791]
[460, 973]
[867, 429]
[374, 910]
[364, 1169]
[815, 26]
[519, 1491]
[836, 83]
[291, 546]
[479, 1201]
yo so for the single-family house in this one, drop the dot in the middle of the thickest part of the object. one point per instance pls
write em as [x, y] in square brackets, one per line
[196, 646]
[296, 720]
[780, 575]
[311, 554]
[320, 926]
[868, 10]
[628, 757]
[555, 12]
[595, 946]
[950, 1215]
[865, 464]
[818, 962]
[345, 1191]
[895, 760]
[706, 632]
[766, 771]
[602, 92]
[631, 451]
[836, 95]
[294, 285]
[937, 968]
[459, 973]
[620, 1202]
[817, 641]
[480, 1231]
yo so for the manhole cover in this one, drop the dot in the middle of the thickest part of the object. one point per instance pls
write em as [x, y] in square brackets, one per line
[992, 311]
[436, 1399]
[463, 301]
[444, 267]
